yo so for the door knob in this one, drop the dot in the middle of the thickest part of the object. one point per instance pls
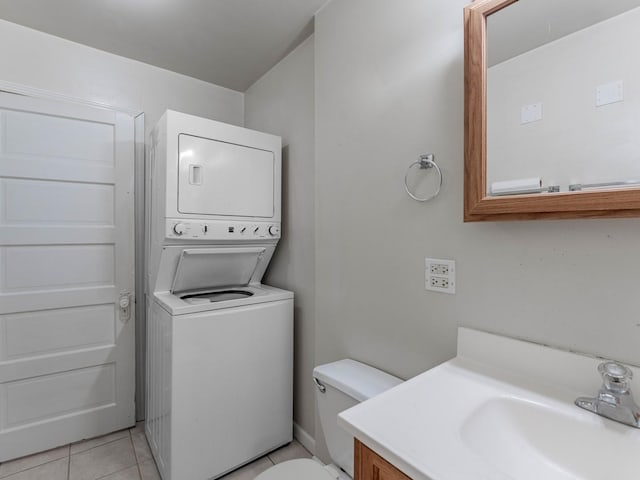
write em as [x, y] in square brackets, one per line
[125, 306]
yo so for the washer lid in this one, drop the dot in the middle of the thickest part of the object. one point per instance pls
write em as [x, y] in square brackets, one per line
[203, 268]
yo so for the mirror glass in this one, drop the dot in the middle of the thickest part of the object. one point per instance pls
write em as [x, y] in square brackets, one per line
[563, 96]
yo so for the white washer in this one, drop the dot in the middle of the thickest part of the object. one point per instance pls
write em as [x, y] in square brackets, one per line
[219, 343]
[222, 374]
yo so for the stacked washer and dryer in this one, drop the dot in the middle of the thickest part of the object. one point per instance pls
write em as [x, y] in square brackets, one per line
[219, 343]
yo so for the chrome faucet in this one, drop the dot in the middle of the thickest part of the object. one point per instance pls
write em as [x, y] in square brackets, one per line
[614, 400]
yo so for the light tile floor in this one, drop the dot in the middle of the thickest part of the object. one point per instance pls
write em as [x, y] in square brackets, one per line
[252, 470]
[122, 455]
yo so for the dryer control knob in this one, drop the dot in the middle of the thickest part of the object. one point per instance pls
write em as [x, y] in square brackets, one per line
[274, 230]
[179, 228]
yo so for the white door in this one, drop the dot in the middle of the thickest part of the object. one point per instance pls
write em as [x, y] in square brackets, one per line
[66, 262]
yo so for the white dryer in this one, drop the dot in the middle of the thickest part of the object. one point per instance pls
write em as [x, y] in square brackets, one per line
[219, 343]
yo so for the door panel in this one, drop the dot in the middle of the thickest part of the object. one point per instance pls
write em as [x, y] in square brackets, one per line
[33, 134]
[56, 203]
[67, 393]
[26, 334]
[41, 268]
[66, 258]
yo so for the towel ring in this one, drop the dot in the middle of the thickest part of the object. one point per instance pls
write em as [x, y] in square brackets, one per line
[426, 161]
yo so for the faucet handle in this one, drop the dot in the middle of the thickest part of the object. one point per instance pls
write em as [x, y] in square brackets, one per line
[616, 377]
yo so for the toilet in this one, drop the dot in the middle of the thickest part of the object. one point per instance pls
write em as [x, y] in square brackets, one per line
[341, 385]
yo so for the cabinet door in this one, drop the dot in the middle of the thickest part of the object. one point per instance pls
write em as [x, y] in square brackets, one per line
[371, 466]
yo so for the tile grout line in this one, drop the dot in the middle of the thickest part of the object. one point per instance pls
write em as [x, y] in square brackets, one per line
[3, 476]
[97, 446]
[135, 454]
[69, 462]
[69, 455]
[113, 473]
[8, 477]
[125, 468]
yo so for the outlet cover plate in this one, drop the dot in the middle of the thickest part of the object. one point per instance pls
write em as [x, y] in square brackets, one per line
[610, 93]
[531, 113]
[440, 275]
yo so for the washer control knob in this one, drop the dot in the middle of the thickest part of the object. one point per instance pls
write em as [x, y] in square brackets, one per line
[256, 229]
[205, 228]
[274, 230]
[179, 228]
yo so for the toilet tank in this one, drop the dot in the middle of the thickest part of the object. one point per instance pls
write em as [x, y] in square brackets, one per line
[345, 383]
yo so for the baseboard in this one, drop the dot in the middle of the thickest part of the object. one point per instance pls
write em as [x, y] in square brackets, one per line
[306, 440]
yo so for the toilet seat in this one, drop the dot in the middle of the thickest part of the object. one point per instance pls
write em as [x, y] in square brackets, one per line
[303, 468]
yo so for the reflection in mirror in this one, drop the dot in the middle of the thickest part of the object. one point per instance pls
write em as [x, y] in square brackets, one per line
[563, 96]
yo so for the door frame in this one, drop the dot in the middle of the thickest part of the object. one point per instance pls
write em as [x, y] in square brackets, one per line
[139, 206]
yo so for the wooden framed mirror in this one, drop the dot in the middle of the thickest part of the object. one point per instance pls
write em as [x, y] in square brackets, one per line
[605, 197]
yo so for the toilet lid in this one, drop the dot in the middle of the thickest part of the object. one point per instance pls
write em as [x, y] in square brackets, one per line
[302, 468]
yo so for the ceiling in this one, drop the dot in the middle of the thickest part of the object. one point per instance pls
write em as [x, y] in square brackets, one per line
[231, 43]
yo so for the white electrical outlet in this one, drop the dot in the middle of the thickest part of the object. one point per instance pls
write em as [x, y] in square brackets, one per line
[439, 282]
[439, 269]
[440, 275]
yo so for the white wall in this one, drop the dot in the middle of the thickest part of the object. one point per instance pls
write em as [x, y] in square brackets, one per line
[50, 63]
[389, 86]
[282, 103]
[45, 62]
[575, 142]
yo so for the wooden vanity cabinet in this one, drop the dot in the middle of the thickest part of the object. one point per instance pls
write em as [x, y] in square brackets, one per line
[368, 465]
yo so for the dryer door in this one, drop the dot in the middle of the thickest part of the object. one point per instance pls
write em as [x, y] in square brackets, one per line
[219, 178]
[211, 268]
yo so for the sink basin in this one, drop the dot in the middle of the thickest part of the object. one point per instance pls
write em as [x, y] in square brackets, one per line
[527, 440]
[503, 409]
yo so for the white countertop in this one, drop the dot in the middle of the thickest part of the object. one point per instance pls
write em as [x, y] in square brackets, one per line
[419, 425]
